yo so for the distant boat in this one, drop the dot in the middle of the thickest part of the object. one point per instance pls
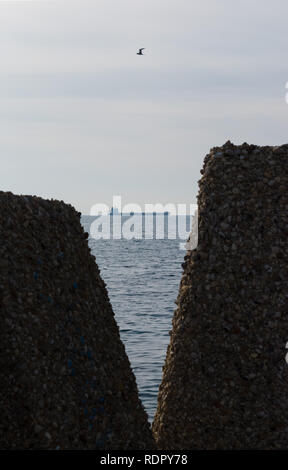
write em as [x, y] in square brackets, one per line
[115, 211]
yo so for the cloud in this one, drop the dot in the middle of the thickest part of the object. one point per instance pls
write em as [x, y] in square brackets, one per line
[82, 117]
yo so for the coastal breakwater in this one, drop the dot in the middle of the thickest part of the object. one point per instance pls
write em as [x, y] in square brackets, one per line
[66, 381]
[225, 378]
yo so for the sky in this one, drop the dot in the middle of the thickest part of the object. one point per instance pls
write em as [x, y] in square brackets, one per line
[83, 118]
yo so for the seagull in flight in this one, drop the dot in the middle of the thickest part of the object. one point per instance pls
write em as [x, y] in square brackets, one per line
[140, 51]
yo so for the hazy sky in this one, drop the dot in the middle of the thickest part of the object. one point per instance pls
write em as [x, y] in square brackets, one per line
[83, 118]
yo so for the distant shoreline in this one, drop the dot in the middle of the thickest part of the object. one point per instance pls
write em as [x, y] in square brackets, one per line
[139, 213]
[127, 214]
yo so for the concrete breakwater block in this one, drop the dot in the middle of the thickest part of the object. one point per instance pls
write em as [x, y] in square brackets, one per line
[66, 381]
[225, 379]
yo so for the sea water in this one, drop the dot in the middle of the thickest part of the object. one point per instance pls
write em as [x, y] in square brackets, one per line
[142, 277]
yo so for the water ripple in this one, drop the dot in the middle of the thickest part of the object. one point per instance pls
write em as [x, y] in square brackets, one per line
[142, 278]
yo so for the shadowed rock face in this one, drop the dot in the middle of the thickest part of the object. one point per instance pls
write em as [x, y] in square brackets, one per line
[225, 380]
[66, 381]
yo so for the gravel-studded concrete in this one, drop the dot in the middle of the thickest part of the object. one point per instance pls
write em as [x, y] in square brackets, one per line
[65, 379]
[225, 379]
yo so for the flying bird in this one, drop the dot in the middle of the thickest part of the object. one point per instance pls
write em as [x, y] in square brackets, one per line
[140, 51]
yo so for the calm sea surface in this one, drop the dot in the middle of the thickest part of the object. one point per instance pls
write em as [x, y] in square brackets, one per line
[142, 278]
